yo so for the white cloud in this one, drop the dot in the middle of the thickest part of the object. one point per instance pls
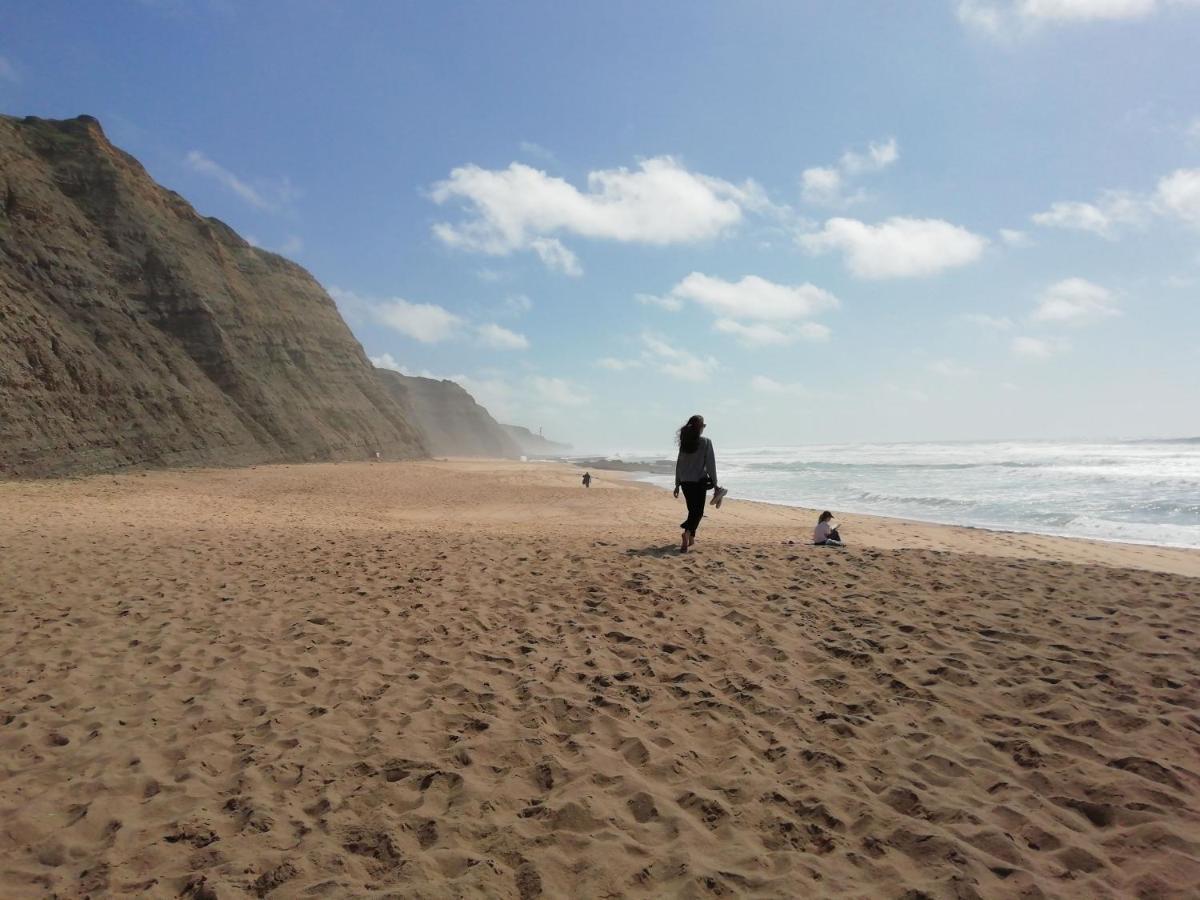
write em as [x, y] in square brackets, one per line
[1176, 195]
[764, 385]
[761, 334]
[994, 323]
[618, 365]
[556, 257]
[500, 338]
[1104, 218]
[824, 184]
[270, 197]
[661, 202]
[879, 155]
[1179, 194]
[1017, 17]
[387, 361]
[821, 184]
[1014, 238]
[8, 71]
[899, 247]
[754, 297]
[949, 368]
[1037, 348]
[557, 391]
[1084, 10]
[677, 363]
[1075, 300]
[425, 322]
[673, 304]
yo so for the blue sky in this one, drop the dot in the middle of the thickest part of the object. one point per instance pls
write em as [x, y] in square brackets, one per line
[811, 222]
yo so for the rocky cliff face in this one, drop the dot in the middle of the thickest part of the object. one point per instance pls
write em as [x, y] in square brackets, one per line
[449, 420]
[134, 331]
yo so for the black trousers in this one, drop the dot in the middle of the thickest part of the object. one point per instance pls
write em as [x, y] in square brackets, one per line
[694, 493]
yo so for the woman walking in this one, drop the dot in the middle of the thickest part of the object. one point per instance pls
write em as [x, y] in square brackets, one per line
[695, 473]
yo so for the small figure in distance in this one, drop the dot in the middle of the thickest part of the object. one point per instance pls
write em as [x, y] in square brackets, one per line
[695, 473]
[587, 479]
[826, 533]
[377, 456]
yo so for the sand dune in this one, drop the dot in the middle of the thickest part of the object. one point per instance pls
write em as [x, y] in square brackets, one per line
[478, 679]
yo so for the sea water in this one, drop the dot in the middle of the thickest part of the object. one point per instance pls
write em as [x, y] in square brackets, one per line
[1137, 491]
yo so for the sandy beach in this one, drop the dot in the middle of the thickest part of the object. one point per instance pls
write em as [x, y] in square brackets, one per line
[478, 679]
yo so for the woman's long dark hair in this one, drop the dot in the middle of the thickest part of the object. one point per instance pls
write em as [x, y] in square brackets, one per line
[689, 434]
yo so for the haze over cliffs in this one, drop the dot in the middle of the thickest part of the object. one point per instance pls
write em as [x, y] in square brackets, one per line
[450, 422]
[134, 331]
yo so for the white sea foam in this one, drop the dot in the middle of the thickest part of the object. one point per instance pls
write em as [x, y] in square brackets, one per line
[1140, 492]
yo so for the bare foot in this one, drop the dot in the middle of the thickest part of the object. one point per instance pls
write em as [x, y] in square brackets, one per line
[691, 538]
[683, 545]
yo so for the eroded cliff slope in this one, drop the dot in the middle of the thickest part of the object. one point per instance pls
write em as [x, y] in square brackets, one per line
[134, 331]
[449, 420]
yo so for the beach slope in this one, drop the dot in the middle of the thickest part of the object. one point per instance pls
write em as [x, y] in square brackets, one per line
[467, 679]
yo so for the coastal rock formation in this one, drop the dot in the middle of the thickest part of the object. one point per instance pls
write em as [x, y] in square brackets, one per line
[449, 420]
[134, 331]
[534, 444]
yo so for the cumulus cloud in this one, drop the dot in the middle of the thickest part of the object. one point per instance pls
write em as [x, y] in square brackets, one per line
[676, 362]
[898, 247]
[424, 322]
[754, 298]
[500, 338]
[1176, 195]
[764, 385]
[1037, 348]
[1075, 301]
[1105, 217]
[760, 334]
[1014, 238]
[1179, 194]
[387, 361]
[266, 196]
[519, 208]
[826, 184]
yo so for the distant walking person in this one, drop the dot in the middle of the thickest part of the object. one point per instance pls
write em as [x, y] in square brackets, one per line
[695, 473]
[826, 532]
[587, 479]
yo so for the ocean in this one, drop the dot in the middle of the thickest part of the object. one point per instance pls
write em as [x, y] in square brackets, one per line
[1145, 492]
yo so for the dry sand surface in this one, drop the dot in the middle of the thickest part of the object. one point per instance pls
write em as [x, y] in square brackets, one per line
[456, 679]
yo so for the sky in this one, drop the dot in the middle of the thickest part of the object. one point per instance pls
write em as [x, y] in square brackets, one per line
[809, 222]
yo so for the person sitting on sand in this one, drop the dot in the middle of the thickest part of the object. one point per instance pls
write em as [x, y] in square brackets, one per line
[826, 532]
[587, 479]
[695, 473]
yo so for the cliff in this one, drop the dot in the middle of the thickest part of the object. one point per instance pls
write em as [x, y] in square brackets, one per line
[449, 420]
[134, 331]
[534, 444]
